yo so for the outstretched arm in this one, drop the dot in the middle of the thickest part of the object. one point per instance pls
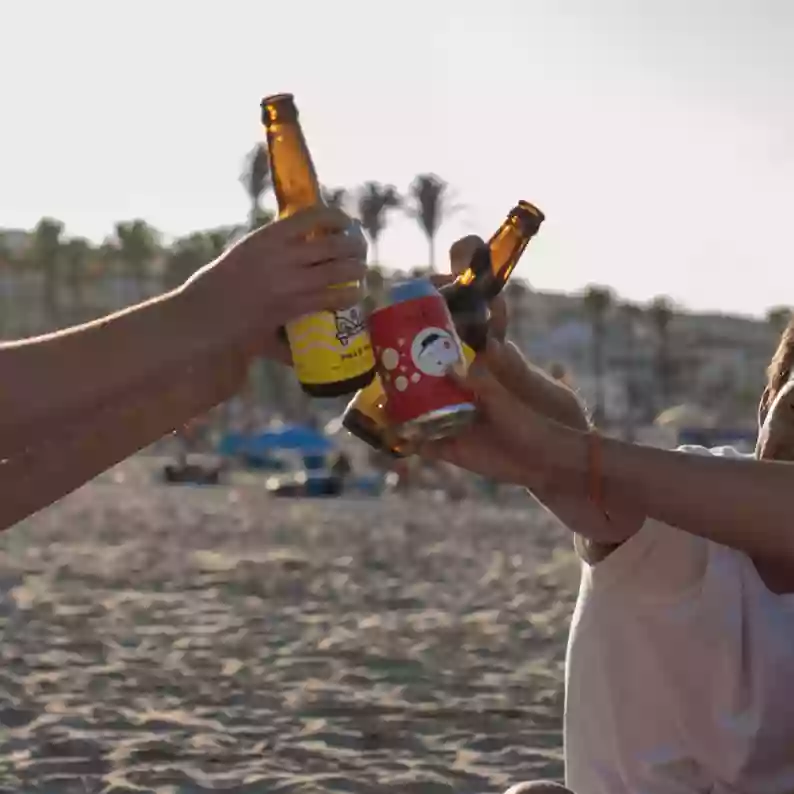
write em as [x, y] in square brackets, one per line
[553, 399]
[78, 401]
[550, 398]
[741, 503]
[54, 381]
[103, 432]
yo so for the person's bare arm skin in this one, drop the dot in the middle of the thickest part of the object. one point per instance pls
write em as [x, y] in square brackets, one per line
[556, 401]
[93, 439]
[78, 401]
[737, 502]
[63, 378]
[741, 503]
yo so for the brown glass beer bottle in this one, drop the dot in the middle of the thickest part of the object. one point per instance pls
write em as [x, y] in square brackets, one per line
[468, 299]
[331, 351]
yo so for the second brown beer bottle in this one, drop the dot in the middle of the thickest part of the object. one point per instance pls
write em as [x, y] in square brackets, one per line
[468, 298]
[331, 351]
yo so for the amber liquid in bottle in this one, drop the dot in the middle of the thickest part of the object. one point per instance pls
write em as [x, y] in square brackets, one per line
[331, 350]
[468, 299]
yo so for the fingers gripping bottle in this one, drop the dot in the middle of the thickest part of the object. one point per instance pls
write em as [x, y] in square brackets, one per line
[468, 299]
[331, 350]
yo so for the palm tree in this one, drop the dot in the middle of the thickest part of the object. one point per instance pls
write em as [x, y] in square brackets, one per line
[597, 303]
[136, 244]
[430, 205]
[44, 254]
[189, 254]
[660, 314]
[335, 197]
[257, 180]
[76, 259]
[184, 257]
[219, 239]
[374, 202]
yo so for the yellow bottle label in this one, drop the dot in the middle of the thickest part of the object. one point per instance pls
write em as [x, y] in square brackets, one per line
[468, 354]
[330, 347]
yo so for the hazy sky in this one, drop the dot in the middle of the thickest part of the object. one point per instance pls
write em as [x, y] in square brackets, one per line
[658, 137]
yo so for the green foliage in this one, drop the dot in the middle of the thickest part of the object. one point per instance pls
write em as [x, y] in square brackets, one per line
[374, 202]
[430, 203]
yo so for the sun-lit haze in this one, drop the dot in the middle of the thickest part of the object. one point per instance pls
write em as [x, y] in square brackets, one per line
[658, 137]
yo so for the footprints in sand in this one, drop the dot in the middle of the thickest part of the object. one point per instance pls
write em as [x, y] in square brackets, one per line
[345, 646]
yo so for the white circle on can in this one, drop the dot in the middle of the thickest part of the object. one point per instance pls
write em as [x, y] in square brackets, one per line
[401, 383]
[390, 358]
[416, 377]
[434, 350]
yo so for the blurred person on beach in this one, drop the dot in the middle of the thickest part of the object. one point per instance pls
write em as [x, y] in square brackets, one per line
[681, 647]
[75, 402]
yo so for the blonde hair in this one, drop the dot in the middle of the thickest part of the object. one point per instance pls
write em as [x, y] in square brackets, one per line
[780, 367]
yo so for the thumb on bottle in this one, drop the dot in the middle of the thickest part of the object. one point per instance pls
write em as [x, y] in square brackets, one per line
[462, 251]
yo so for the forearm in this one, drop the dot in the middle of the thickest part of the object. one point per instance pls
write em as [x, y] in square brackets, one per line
[744, 504]
[81, 449]
[575, 510]
[57, 379]
[553, 399]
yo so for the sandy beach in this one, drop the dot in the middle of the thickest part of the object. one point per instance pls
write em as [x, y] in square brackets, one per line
[187, 640]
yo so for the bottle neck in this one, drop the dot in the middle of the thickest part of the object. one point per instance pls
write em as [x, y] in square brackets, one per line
[489, 276]
[506, 247]
[493, 265]
[478, 271]
[295, 181]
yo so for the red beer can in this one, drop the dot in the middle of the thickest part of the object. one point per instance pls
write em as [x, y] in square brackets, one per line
[415, 344]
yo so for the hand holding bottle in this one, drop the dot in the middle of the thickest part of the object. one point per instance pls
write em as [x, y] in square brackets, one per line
[461, 255]
[479, 273]
[269, 277]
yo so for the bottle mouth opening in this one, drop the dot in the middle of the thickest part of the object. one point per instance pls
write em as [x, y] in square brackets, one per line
[277, 108]
[531, 208]
[272, 99]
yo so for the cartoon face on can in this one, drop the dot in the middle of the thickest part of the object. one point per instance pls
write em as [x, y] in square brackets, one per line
[434, 351]
[415, 345]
